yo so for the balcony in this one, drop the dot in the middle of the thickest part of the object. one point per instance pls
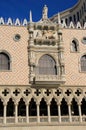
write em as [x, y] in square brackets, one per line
[49, 79]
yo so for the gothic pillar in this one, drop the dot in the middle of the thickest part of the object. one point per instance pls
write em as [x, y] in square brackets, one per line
[69, 110]
[48, 106]
[27, 113]
[5, 107]
[80, 115]
[16, 113]
[59, 113]
[38, 115]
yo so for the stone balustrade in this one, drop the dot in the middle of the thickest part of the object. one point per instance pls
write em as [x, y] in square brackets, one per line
[43, 119]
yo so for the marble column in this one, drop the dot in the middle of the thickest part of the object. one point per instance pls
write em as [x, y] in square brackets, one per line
[79, 107]
[38, 115]
[69, 110]
[16, 113]
[48, 106]
[59, 113]
[27, 113]
[5, 106]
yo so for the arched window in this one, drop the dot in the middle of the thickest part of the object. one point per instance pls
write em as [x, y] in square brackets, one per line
[4, 61]
[47, 66]
[75, 46]
[83, 63]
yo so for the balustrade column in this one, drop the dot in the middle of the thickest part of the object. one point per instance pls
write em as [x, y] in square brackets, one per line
[59, 112]
[5, 106]
[49, 119]
[27, 113]
[38, 116]
[16, 113]
[79, 107]
[69, 110]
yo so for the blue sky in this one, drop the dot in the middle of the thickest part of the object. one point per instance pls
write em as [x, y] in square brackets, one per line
[20, 8]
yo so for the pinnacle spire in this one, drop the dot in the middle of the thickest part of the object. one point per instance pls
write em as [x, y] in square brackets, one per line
[59, 19]
[30, 16]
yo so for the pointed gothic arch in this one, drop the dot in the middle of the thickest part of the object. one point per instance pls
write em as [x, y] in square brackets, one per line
[53, 108]
[64, 107]
[21, 108]
[43, 108]
[74, 107]
[10, 107]
[32, 108]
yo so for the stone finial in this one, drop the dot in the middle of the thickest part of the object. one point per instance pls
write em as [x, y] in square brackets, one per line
[30, 16]
[17, 22]
[59, 19]
[45, 13]
[25, 22]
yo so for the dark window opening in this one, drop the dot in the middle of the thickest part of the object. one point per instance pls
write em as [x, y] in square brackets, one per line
[54, 108]
[32, 108]
[64, 107]
[43, 108]
[1, 108]
[10, 108]
[83, 106]
[21, 108]
[74, 108]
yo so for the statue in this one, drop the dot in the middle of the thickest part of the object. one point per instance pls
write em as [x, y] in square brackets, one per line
[45, 12]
